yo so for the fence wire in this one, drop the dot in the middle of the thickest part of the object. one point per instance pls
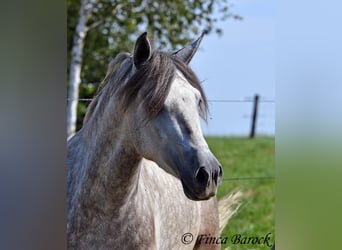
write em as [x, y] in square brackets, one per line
[259, 178]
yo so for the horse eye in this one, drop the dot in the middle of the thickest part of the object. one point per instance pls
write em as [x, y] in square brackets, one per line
[200, 102]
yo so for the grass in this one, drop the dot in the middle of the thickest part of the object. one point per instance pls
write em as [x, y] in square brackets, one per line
[244, 157]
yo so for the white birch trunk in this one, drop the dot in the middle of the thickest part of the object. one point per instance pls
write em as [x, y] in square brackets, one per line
[75, 67]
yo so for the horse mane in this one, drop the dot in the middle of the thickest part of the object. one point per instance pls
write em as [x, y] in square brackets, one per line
[151, 81]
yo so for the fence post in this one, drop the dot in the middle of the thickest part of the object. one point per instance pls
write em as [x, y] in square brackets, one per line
[254, 116]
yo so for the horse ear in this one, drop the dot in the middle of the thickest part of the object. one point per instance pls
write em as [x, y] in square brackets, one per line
[142, 50]
[186, 53]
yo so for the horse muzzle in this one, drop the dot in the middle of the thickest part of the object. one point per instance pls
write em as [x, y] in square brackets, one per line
[205, 180]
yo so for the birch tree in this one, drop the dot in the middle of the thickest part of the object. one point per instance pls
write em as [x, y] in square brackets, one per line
[75, 66]
[98, 29]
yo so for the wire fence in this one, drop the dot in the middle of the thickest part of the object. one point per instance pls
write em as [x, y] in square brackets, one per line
[254, 116]
[258, 178]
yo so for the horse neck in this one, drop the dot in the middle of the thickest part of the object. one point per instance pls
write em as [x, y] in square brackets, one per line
[110, 163]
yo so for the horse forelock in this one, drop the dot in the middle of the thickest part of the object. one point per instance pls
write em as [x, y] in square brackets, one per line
[151, 82]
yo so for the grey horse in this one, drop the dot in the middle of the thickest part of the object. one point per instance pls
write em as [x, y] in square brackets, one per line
[140, 173]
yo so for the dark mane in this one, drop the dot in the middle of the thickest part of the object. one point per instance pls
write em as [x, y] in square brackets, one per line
[151, 82]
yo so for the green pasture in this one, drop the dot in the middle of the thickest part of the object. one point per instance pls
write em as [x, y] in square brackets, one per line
[244, 158]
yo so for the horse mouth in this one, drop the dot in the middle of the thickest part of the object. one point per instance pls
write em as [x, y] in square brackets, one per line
[195, 196]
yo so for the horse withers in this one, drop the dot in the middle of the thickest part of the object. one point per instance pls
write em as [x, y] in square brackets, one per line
[140, 173]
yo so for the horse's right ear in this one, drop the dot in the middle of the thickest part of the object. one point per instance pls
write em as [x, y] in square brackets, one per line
[142, 50]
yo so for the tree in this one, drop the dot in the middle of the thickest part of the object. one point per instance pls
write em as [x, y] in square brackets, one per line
[99, 29]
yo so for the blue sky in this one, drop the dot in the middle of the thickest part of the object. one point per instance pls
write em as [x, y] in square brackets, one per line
[238, 65]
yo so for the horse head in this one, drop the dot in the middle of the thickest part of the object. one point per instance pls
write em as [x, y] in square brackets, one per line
[165, 125]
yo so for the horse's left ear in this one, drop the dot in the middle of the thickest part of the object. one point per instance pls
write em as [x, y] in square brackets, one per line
[142, 50]
[186, 53]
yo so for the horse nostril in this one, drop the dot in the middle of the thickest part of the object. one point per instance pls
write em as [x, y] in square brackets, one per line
[202, 176]
[220, 171]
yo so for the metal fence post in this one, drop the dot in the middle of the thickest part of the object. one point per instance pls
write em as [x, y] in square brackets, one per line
[254, 116]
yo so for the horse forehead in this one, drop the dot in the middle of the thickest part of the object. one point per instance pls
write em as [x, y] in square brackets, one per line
[181, 88]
